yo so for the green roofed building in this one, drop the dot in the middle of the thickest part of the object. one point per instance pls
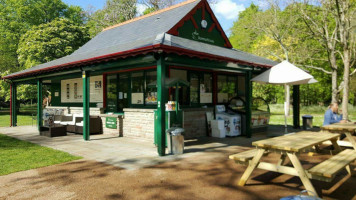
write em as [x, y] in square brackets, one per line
[128, 72]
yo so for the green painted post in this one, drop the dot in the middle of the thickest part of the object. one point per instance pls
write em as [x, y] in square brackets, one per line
[86, 101]
[39, 104]
[296, 107]
[14, 105]
[161, 101]
[248, 94]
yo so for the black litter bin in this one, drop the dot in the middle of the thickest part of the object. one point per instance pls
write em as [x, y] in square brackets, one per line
[175, 140]
[307, 122]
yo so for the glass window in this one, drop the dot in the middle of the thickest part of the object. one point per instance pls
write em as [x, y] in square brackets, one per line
[222, 89]
[111, 93]
[137, 84]
[232, 86]
[151, 91]
[182, 91]
[123, 101]
[206, 89]
[227, 88]
[194, 88]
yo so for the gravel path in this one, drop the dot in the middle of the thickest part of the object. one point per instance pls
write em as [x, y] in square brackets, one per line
[208, 176]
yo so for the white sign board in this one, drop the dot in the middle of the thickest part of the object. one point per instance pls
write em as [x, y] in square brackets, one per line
[72, 90]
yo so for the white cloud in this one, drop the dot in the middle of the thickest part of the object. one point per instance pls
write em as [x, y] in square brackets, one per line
[140, 8]
[228, 9]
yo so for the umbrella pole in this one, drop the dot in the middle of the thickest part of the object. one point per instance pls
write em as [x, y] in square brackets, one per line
[286, 106]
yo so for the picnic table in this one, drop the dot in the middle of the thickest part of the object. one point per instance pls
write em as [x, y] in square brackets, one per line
[342, 128]
[291, 146]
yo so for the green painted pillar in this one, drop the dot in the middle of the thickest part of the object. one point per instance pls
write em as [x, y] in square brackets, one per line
[13, 105]
[39, 104]
[161, 101]
[86, 101]
[296, 106]
[248, 94]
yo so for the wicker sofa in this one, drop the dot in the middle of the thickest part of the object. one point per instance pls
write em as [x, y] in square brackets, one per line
[74, 123]
[95, 125]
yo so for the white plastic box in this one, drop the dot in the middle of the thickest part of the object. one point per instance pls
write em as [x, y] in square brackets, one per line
[218, 133]
[217, 124]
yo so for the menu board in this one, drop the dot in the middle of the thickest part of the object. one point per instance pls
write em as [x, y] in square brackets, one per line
[206, 97]
[72, 90]
[137, 98]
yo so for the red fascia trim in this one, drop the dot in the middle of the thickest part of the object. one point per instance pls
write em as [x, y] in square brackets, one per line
[202, 55]
[122, 54]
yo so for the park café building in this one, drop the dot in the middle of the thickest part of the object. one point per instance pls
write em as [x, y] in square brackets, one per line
[129, 71]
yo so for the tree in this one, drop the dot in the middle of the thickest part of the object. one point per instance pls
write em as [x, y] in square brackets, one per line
[19, 16]
[50, 41]
[114, 12]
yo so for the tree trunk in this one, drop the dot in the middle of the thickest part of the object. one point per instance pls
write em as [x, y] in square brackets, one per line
[345, 98]
[334, 87]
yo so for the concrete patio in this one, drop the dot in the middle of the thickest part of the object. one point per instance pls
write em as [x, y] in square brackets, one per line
[127, 152]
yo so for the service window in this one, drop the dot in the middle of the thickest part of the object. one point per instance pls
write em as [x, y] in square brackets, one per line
[183, 98]
[137, 83]
[111, 97]
[151, 91]
[194, 88]
[223, 95]
[206, 89]
[123, 88]
[227, 87]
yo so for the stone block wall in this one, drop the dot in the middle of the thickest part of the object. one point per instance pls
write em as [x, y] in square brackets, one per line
[109, 131]
[139, 123]
[195, 124]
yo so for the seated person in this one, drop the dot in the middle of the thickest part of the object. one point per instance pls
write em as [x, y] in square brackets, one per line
[331, 115]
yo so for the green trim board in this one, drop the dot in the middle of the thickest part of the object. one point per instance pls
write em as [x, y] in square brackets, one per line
[39, 104]
[86, 110]
[248, 96]
[161, 100]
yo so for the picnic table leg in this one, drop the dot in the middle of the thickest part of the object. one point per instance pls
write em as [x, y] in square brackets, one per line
[336, 146]
[350, 170]
[251, 166]
[351, 139]
[302, 174]
[282, 160]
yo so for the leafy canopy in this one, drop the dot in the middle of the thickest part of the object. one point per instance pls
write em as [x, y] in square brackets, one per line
[50, 41]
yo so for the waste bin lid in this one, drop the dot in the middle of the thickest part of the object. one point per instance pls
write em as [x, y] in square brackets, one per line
[308, 116]
[178, 131]
[175, 131]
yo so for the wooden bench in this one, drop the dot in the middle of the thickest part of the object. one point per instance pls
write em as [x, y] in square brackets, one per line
[243, 157]
[327, 170]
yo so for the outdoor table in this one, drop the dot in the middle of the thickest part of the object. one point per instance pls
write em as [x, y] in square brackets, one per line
[347, 128]
[290, 145]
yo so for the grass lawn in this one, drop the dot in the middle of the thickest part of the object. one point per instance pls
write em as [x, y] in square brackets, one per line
[17, 155]
[23, 119]
[277, 117]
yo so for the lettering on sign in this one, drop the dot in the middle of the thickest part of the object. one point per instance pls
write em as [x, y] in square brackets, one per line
[196, 36]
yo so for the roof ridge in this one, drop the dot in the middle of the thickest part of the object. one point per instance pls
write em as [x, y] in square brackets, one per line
[151, 14]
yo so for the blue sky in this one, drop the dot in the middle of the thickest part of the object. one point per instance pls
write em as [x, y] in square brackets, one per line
[226, 10]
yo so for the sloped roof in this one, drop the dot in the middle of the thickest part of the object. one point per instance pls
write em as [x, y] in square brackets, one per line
[141, 35]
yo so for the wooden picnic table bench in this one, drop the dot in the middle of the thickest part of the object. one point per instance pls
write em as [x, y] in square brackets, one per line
[291, 146]
[342, 128]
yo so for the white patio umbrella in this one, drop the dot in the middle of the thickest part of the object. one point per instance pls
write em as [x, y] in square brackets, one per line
[285, 74]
